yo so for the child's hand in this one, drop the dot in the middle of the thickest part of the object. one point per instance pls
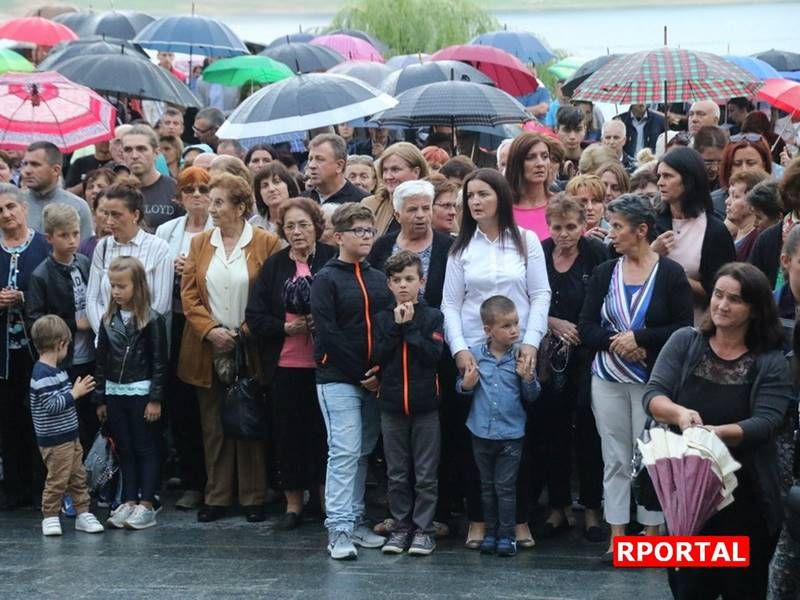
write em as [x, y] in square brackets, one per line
[470, 379]
[152, 412]
[83, 324]
[82, 386]
[370, 381]
[102, 413]
[403, 313]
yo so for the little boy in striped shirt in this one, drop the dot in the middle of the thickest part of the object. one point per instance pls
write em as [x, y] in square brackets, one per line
[55, 421]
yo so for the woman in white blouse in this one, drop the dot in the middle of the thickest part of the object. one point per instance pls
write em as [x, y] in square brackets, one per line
[124, 208]
[492, 256]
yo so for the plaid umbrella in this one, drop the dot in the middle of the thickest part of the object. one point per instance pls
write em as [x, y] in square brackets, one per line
[667, 75]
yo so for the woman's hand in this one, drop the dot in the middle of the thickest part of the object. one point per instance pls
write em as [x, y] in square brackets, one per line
[223, 340]
[664, 243]
[297, 327]
[564, 330]
[689, 418]
[526, 360]
[152, 412]
[465, 359]
[470, 379]
[623, 343]
[597, 232]
[102, 413]
[179, 262]
[370, 381]
[10, 297]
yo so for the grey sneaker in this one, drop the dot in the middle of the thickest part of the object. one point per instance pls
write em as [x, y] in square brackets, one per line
[340, 546]
[398, 543]
[422, 545]
[117, 518]
[141, 518]
[189, 500]
[363, 536]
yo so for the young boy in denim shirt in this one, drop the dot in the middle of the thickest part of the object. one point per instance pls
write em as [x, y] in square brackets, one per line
[497, 419]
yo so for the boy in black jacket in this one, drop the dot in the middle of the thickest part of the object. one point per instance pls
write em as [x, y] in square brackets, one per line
[407, 348]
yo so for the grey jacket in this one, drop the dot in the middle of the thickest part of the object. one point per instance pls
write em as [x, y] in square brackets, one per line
[770, 398]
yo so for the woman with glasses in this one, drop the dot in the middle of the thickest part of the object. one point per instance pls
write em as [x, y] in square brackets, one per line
[445, 204]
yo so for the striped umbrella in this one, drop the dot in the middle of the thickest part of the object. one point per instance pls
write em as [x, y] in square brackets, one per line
[667, 75]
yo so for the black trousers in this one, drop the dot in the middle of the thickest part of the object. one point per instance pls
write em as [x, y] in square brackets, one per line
[88, 425]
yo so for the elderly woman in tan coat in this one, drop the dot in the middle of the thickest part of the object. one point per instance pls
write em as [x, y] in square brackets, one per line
[217, 277]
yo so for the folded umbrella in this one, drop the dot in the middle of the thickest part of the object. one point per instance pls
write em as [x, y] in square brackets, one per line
[352, 48]
[372, 73]
[304, 58]
[36, 30]
[525, 46]
[240, 70]
[415, 75]
[506, 70]
[191, 34]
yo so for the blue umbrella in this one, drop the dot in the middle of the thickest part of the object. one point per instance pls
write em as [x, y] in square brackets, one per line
[191, 34]
[120, 24]
[300, 37]
[525, 46]
[793, 75]
[371, 72]
[756, 67]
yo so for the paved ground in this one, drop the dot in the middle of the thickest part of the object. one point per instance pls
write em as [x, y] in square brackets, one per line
[181, 558]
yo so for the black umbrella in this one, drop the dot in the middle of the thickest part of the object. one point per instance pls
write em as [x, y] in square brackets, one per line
[422, 74]
[584, 71]
[88, 47]
[122, 24]
[780, 59]
[371, 72]
[293, 38]
[129, 75]
[305, 58]
[362, 35]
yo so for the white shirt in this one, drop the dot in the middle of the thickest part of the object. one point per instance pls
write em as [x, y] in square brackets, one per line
[153, 252]
[487, 268]
[227, 279]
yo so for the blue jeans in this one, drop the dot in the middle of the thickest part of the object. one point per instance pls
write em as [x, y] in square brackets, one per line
[498, 463]
[352, 421]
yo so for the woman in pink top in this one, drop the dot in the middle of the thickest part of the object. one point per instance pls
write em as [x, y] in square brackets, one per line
[279, 314]
[527, 172]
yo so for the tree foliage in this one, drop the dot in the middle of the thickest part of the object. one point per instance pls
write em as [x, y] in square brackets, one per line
[410, 26]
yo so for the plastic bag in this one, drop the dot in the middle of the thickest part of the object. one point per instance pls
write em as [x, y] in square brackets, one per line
[101, 462]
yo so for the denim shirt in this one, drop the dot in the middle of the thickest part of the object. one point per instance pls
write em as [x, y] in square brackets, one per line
[498, 403]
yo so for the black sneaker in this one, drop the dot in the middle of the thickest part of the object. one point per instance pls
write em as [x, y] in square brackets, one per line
[423, 544]
[398, 542]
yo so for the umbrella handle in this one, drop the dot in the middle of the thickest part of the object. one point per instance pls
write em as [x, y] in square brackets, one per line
[783, 130]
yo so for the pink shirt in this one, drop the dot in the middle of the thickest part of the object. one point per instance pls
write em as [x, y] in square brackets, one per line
[533, 220]
[298, 350]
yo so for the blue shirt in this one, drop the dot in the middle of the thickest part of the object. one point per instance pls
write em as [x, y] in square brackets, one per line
[498, 412]
[542, 94]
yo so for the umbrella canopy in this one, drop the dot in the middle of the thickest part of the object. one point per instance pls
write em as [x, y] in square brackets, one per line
[780, 59]
[756, 67]
[305, 58]
[49, 11]
[455, 103]
[372, 73]
[422, 74]
[304, 102]
[583, 71]
[362, 35]
[793, 75]
[11, 61]
[300, 37]
[49, 107]
[36, 30]
[566, 67]
[74, 20]
[350, 47]
[240, 70]
[127, 74]
[122, 24]
[88, 47]
[782, 94]
[503, 68]
[191, 34]
[667, 75]
[525, 46]
[403, 60]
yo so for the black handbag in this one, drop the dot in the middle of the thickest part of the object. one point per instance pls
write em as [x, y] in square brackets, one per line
[243, 409]
[643, 491]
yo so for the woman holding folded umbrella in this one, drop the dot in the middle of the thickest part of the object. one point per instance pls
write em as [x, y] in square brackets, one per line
[730, 376]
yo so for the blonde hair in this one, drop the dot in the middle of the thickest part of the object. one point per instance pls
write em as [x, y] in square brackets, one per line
[48, 332]
[240, 192]
[59, 216]
[141, 291]
[594, 157]
[410, 155]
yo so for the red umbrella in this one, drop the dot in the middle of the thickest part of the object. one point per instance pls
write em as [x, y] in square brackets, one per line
[49, 107]
[536, 127]
[352, 48]
[36, 30]
[505, 69]
[781, 93]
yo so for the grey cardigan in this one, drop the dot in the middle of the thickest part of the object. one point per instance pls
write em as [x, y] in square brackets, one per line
[770, 398]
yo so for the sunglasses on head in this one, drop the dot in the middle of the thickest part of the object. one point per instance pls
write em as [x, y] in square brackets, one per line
[746, 137]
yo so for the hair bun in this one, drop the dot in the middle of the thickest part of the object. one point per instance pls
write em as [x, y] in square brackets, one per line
[129, 181]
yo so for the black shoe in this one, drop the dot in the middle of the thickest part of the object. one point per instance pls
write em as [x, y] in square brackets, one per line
[207, 513]
[594, 534]
[548, 530]
[254, 514]
[289, 520]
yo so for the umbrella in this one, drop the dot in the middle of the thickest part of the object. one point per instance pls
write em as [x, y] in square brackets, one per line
[49, 107]
[566, 67]
[292, 38]
[129, 75]
[305, 58]
[123, 24]
[372, 73]
[36, 30]
[583, 72]
[350, 47]
[240, 70]
[304, 102]
[11, 61]
[88, 47]
[756, 67]
[667, 75]
[525, 46]
[73, 20]
[191, 34]
[782, 94]
[49, 11]
[504, 69]
[422, 74]
[403, 60]
[693, 476]
[362, 35]
[793, 75]
[780, 59]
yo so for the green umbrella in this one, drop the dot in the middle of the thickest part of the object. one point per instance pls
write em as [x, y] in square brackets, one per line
[241, 70]
[11, 61]
[564, 68]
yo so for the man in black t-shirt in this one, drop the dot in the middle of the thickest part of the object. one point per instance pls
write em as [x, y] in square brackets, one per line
[80, 167]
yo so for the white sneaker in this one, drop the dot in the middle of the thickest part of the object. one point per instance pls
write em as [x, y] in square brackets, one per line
[117, 518]
[51, 526]
[88, 523]
[142, 518]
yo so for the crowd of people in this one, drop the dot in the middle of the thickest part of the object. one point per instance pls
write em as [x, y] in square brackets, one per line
[497, 336]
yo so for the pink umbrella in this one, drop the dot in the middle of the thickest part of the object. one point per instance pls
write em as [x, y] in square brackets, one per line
[352, 48]
[49, 107]
[36, 30]
[505, 69]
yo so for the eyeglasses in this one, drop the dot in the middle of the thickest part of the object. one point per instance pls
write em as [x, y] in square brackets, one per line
[202, 131]
[446, 205]
[201, 189]
[361, 232]
[711, 162]
[302, 226]
[747, 137]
